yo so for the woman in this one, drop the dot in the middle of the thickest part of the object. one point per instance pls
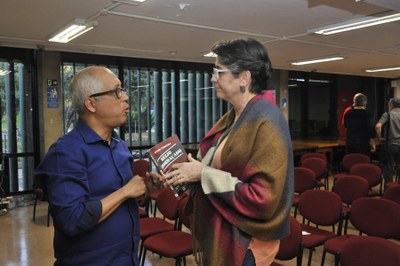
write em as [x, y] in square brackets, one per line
[242, 189]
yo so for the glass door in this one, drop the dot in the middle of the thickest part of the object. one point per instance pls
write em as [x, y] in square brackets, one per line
[16, 143]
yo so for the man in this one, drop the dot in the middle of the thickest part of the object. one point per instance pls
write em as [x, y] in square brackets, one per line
[88, 177]
[360, 131]
[350, 107]
[393, 141]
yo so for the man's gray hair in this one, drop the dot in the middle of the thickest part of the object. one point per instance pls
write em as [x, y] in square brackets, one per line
[360, 100]
[395, 102]
[83, 84]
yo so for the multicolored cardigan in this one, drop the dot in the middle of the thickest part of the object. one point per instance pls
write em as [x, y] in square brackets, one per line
[251, 195]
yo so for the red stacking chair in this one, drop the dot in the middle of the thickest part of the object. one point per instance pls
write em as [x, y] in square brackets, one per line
[291, 246]
[349, 160]
[392, 193]
[372, 173]
[372, 216]
[313, 155]
[304, 179]
[349, 188]
[371, 251]
[319, 166]
[168, 207]
[172, 244]
[319, 208]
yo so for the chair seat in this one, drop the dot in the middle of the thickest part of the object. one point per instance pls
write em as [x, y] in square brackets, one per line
[338, 176]
[316, 236]
[335, 245]
[156, 226]
[161, 244]
[391, 184]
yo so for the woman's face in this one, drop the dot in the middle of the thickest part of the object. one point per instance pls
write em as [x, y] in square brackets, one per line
[227, 86]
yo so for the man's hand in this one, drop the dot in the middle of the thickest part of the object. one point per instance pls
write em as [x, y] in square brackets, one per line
[154, 182]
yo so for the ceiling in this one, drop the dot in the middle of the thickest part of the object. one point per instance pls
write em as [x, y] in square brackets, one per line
[184, 30]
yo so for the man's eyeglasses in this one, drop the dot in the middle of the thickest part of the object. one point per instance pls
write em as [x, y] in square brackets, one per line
[118, 93]
[219, 70]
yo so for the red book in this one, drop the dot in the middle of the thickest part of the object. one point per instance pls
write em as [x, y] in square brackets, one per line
[167, 153]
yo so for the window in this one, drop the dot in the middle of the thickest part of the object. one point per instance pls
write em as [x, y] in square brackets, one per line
[163, 101]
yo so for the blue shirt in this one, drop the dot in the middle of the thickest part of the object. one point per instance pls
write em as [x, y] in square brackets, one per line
[78, 171]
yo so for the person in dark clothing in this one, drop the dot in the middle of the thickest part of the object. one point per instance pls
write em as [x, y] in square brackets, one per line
[360, 132]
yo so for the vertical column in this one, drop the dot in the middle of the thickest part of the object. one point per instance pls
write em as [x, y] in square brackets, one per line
[396, 88]
[51, 107]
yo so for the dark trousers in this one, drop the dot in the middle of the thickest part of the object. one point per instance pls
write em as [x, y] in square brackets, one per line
[393, 163]
[357, 148]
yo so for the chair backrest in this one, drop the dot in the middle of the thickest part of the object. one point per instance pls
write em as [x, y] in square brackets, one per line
[393, 194]
[352, 159]
[140, 167]
[350, 188]
[376, 217]
[167, 203]
[291, 246]
[304, 179]
[313, 155]
[318, 165]
[183, 218]
[321, 207]
[371, 172]
[371, 251]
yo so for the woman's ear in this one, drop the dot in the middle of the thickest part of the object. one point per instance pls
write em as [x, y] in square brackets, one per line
[90, 105]
[245, 78]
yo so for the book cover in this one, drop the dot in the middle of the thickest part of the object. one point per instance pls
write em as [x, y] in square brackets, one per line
[167, 153]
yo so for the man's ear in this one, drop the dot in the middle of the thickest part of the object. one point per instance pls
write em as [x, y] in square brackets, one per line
[90, 105]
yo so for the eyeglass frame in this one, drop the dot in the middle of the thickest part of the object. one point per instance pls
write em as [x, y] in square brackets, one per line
[118, 93]
[216, 71]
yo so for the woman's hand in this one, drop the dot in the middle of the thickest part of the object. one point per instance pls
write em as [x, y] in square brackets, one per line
[187, 172]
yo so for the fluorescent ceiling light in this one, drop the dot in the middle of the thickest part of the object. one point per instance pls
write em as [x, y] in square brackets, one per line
[382, 69]
[73, 30]
[356, 24]
[317, 60]
[129, 2]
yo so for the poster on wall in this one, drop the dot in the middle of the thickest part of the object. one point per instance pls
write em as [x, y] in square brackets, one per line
[52, 93]
[284, 103]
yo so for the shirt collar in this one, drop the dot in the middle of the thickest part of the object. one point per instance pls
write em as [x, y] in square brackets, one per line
[89, 135]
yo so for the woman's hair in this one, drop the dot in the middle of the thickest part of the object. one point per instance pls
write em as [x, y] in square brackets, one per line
[246, 54]
[83, 84]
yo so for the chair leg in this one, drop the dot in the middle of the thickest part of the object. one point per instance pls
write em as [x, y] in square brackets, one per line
[337, 259]
[141, 250]
[155, 209]
[34, 208]
[48, 217]
[323, 258]
[144, 256]
[346, 224]
[310, 256]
